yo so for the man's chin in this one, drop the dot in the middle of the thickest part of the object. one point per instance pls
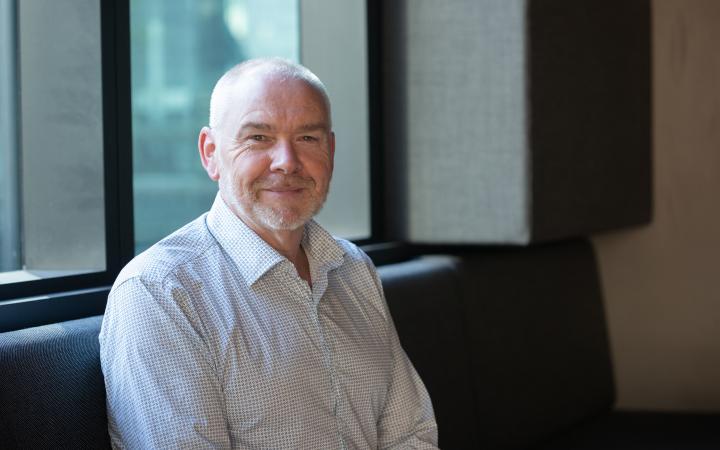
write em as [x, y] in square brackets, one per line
[281, 219]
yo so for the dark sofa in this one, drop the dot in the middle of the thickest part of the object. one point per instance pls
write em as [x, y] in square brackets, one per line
[511, 343]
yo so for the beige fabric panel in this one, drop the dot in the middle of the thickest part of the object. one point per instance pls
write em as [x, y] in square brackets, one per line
[661, 282]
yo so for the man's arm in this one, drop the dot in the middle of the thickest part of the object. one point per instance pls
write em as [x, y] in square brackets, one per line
[407, 420]
[162, 388]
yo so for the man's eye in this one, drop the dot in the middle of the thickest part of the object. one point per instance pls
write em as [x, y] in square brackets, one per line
[259, 137]
[309, 139]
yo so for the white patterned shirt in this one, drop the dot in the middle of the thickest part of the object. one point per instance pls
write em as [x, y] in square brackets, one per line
[211, 340]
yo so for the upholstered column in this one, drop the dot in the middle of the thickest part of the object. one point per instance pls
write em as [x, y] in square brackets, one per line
[523, 121]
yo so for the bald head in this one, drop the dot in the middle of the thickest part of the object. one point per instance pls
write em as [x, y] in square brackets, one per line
[260, 68]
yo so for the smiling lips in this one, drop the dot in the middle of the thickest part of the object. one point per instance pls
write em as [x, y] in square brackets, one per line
[284, 193]
[282, 189]
[284, 185]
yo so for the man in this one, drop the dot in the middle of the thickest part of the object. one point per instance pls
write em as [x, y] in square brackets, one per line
[252, 327]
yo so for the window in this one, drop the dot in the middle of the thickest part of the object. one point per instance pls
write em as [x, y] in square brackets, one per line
[334, 46]
[66, 117]
[52, 196]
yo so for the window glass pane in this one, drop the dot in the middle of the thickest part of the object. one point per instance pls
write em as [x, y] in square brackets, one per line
[179, 50]
[52, 140]
[334, 46]
[9, 208]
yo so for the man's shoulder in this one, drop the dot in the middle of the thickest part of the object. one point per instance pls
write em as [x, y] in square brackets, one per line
[356, 264]
[353, 253]
[182, 247]
[359, 271]
[331, 249]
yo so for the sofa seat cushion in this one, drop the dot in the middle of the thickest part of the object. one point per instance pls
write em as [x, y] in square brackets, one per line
[642, 431]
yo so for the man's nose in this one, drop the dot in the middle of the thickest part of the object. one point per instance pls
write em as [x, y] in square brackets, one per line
[285, 158]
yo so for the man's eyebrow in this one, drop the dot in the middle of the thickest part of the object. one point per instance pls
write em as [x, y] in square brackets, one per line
[256, 126]
[314, 127]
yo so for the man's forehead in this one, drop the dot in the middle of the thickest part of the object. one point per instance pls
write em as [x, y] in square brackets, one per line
[262, 101]
[268, 109]
[274, 86]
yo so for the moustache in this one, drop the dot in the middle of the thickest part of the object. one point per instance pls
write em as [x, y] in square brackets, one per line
[283, 182]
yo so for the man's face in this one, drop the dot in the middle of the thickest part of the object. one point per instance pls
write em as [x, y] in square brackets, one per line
[274, 152]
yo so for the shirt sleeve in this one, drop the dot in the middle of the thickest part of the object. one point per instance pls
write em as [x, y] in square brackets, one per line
[407, 420]
[162, 388]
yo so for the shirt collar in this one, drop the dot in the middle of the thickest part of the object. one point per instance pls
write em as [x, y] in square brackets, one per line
[322, 250]
[254, 257]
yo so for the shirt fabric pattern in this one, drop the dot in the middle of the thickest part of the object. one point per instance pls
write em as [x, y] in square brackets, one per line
[211, 340]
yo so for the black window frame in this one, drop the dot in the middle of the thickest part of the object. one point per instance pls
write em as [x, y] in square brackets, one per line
[50, 300]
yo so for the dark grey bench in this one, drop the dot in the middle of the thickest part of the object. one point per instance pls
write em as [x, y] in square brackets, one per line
[511, 343]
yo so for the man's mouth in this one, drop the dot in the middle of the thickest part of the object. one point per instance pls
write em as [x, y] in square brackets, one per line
[284, 188]
[283, 193]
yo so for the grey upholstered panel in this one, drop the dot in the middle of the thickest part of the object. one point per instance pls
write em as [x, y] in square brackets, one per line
[467, 158]
[525, 120]
[424, 299]
[52, 394]
[538, 337]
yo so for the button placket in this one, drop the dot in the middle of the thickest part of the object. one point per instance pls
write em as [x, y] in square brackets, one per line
[308, 295]
[328, 360]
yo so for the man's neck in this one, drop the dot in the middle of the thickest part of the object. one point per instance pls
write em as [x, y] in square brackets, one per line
[288, 244]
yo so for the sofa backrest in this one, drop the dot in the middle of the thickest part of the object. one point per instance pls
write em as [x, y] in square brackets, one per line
[52, 393]
[510, 342]
[531, 324]
[424, 297]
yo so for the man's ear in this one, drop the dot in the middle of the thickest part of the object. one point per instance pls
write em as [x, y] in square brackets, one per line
[208, 153]
[332, 149]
